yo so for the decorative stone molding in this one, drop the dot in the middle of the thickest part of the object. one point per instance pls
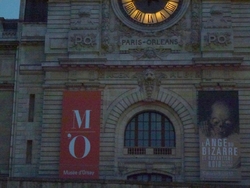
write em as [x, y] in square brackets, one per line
[217, 19]
[185, 112]
[216, 61]
[149, 83]
[217, 34]
[84, 33]
[217, 40]
[177, 169]
[105, 26]
[84, 20]
[116, 36]
[148, 162]
[82, 40]
[196, 24]
[122, 169]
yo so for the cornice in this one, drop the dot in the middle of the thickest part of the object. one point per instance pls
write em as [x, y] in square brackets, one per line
[218, 61]
[8, 44]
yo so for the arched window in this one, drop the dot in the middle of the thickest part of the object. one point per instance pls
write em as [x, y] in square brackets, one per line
[149, 130]
[154, 177]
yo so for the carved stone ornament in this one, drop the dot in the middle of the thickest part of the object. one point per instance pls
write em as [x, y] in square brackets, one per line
[217, 19]
[177, 170]
[121, 169]
[217, 32]
[196, 24]
[83, 41]
[217, 40]
[131, 41]
[149, 83]
[149, 53]
[84, 20]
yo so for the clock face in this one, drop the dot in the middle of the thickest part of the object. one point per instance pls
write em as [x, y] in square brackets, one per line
[150, 15]
[150, 11]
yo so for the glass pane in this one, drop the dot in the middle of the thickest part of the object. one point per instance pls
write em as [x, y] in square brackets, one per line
[146, 117]
[127, 136]
[140, 117]
[153, 135]
[167, 143]
[132, 126]
[146, 135]
[153, 126]
[146, 125]
[132, 143]
[140, 143]
[158, 117]
[158, 125]
[158, 135]
[140, 135]
[166, 135]
[171, 135]
[153, 117]
[153, 143]
[167, 127]
[171, 143]
[127, 143]
[140, 125]
[132, 135]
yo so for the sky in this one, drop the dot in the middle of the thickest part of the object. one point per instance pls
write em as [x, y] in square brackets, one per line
[9, 9]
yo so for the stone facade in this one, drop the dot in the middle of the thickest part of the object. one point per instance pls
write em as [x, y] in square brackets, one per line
[84, 46]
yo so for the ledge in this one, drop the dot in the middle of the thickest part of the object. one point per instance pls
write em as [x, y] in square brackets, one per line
[47, 181]
[6, 85]
[81, 61]
[218, 61]
[30, 69]
[103, 63]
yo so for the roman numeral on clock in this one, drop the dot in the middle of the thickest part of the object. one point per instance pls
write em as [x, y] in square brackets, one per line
[171, 7]
[150, 18]
[129, 8]
[138, 15]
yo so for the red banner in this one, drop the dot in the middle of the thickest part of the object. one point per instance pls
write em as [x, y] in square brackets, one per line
[80, 135]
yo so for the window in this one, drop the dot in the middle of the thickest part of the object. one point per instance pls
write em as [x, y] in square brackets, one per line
[150, 177]
[36, 11]
[31, 108]
[29, 152]
[149, 129]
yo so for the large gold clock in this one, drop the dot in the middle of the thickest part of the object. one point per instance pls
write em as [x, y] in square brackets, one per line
[150, 15]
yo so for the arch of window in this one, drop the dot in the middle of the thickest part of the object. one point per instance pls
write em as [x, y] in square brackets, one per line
[153, 177]
[150, 129]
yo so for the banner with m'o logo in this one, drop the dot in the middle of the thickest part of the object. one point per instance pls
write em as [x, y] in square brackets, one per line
[80, 135]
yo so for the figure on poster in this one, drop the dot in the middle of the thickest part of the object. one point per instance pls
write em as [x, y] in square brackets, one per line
[220, 122]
